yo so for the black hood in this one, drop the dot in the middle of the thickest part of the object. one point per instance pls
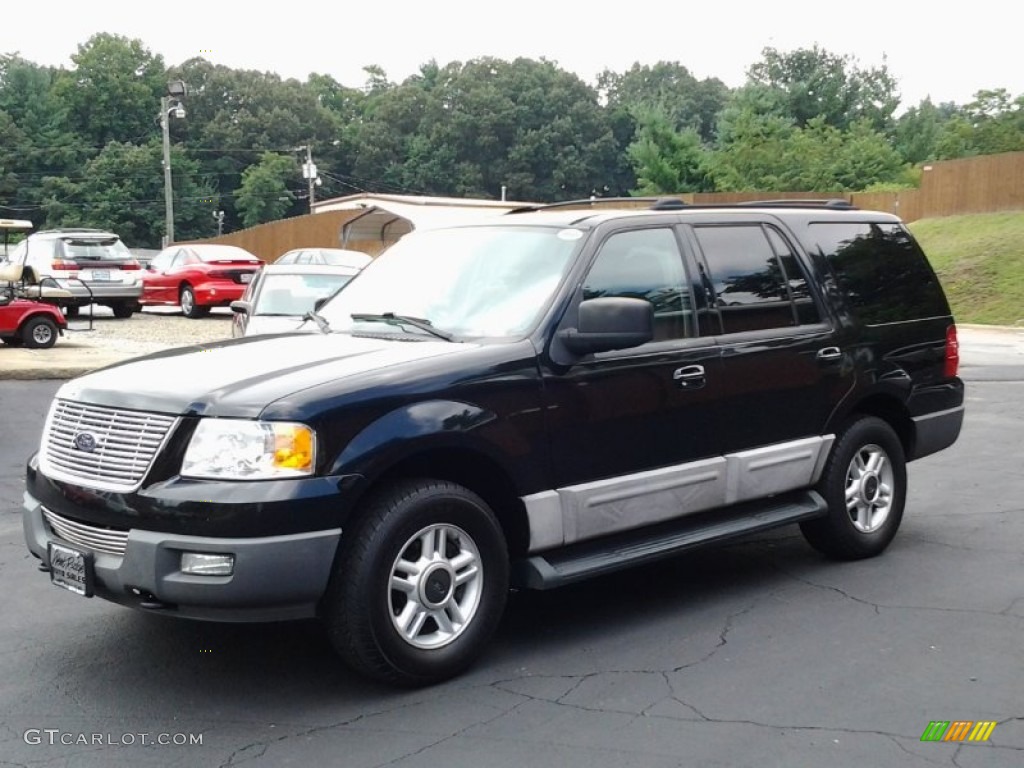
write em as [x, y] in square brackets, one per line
[240, 377]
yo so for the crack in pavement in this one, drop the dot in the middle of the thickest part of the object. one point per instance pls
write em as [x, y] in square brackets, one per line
[266, 743]
[878, 607]
[457, 733]
[925, 539]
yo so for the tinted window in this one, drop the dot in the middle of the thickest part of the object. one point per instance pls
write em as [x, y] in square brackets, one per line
[749, 283]
[92, 249]
[882, 271]
[645, 264]
[796, 280]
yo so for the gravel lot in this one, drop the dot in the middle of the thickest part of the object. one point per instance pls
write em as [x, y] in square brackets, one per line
[152, 329]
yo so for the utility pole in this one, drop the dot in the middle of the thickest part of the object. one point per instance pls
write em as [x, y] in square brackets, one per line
[176, 90]
[165, 108]
[309, 173]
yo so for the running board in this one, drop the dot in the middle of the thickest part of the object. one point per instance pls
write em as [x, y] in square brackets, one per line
[612, 553]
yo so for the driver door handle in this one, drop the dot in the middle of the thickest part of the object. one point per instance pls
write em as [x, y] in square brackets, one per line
[690, 376]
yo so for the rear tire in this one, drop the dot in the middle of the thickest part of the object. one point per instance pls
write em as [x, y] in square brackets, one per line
[72, 311]
[419, 585]
[123, 310]
[39, 333]
[865, 484]
[187, 300]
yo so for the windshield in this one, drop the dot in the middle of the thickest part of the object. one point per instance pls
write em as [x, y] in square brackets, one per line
[481, 281]
[295, 294]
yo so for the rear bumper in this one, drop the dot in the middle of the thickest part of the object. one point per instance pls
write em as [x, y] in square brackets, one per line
[102, 291]
[218, 294]
[274, 578]
[936, 431]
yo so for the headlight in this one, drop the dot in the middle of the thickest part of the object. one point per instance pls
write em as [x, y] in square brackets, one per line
[234, 449]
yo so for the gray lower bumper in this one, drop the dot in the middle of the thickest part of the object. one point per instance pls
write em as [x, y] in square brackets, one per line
[275, 577]
[936, 431]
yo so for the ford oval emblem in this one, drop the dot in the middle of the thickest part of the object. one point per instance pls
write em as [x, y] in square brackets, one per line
[85, 441]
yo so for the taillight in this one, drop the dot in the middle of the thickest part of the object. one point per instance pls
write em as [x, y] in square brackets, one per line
[952, 362]
[65, 265]
[130, 265]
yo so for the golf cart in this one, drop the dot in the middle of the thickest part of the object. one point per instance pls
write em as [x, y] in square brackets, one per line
[29, 311]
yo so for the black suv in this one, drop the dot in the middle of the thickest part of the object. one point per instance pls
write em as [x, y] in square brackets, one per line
[524, 401]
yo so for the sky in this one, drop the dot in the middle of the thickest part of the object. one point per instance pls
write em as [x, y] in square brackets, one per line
[942, 50]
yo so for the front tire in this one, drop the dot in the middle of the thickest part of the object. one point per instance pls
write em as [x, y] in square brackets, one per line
[865, 485]
[39, 333]
[187, 300]
[420, 584]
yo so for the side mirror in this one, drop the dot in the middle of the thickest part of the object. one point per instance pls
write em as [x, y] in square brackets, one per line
[610, 323]
[241, 307]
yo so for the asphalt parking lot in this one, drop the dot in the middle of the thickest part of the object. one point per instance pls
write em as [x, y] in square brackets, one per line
[756, 654]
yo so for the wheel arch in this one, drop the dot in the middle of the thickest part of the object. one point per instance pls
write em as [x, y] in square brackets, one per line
[889, 409]
[476, 471]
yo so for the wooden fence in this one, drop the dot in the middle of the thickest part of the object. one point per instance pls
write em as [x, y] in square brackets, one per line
[969, 185]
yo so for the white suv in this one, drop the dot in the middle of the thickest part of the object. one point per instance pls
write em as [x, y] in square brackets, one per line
[91, 263]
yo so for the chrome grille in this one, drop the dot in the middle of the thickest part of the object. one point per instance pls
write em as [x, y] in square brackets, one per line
[98, 447]
[112, 542]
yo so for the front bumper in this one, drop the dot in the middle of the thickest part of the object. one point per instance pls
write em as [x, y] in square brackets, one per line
[274, 578]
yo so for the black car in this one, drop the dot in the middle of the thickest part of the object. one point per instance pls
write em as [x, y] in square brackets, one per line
[529, 400]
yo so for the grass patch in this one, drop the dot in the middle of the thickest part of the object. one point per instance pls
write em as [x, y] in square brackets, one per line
[980, 260]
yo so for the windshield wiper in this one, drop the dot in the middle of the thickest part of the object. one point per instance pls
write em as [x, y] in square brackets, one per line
[415, 322]
[321, 323]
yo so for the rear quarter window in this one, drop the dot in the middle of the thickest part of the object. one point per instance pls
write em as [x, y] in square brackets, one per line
[882, 271]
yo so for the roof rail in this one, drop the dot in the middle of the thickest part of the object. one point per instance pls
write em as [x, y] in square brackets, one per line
[591, 201]
[75, 230]
[676, 204]
[837, 203]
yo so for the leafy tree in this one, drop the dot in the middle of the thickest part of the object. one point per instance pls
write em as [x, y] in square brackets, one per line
[263, 194]
[468, 129]
[670, 89]
[917, 131]
[667, 161]
[113, 93]
[122, 189]
[817, 83]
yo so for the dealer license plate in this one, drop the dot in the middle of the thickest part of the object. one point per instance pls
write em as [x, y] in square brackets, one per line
[246, 277]
[101, 275]
[71, 569]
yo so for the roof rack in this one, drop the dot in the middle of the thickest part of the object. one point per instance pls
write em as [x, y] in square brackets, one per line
[62, 230]
[675, 204]
[591, 201]
[838, 203]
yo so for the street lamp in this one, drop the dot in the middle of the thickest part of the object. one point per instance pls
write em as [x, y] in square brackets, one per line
[170, 104]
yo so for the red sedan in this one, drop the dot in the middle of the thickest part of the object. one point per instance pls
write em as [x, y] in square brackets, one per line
[198, 276]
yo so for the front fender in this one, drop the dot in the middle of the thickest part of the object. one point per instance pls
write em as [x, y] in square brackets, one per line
[432, 424]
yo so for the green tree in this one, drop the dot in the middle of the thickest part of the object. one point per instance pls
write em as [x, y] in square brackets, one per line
[263, 194]
[817, 83]
[918, 130]
[122, 190]
[670, 89]
[667, 161]
[113, 93]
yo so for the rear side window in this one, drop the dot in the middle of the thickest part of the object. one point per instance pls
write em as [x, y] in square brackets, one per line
[881, 270]
[751, 287]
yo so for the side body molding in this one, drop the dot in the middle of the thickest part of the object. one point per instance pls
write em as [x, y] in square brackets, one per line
[579, 512]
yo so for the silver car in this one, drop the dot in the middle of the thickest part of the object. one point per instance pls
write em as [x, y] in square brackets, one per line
[94, 265]
[281, 294]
